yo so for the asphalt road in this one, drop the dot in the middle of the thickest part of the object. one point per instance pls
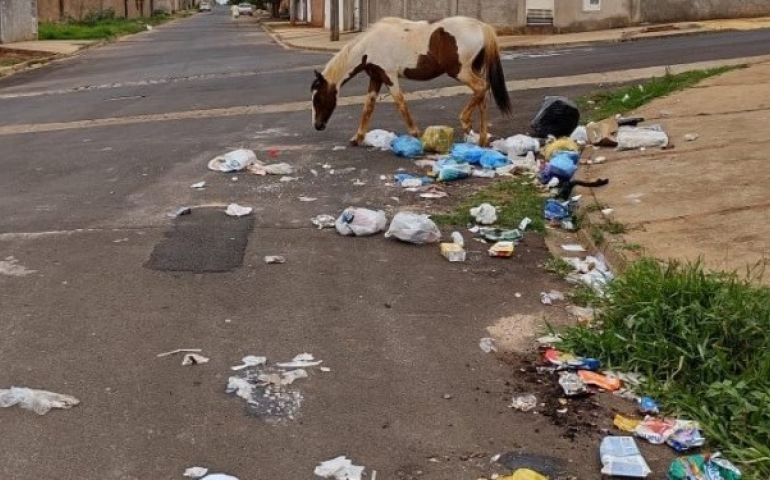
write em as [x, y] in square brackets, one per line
[85, 209]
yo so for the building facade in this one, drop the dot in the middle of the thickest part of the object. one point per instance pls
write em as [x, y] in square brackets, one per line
[18, 20]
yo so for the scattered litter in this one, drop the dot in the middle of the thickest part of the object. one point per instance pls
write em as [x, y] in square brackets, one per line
[562, 165]
[413, 228]
[499, 235]
[524, 403]
[339, 468]
[502, 250]
[487, 345]
[287, 179]
[195, 472]
[592, 271]
[279, 169]
[361, 222]
[303, 360]
[659, 430]
[648, 405]
[198, 185]
[597, 379]
[691, 137]
[571, 384]
[569, 361]
[179, 212]
[380, 139]
[580, 136]
[235, 210]
[453, 252]
[323, 221]
[457, 238]
[307, 199]
[547, 298]
[584, 315]
[597, 160]
[525, 222]
[621, 458]
[249, 361]
[11, 267]
[234, 161]
[634, 138]
[625, 424]
[472, 138]
[450, 169]
[485, 214]
[325, 369]
[563, 144]
[556, 210]
[219, 476]
[407, 180]
[703, 467]
[179, 350]
[607, 212]
[604, 133]
[553, 182]
[438, 139]
[190, 359]
[485, 158]
[573, 247]
[549, 339]
[407, 146]
[274, 259]
[558, 116]
[524, 474]
[433, 193]
[483, 173]
[287, 378]
[425, 163]
[686, 438]
[337, 148]
[517, 145]
[39, 401]
[234, 179]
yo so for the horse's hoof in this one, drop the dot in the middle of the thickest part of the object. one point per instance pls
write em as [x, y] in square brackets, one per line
[356, 140]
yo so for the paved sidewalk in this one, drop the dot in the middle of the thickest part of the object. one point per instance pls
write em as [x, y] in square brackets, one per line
[317, 39]
[56, 47]
[709, 197]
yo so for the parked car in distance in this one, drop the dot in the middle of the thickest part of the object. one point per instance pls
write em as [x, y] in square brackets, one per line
[245, 9]
[204, 6]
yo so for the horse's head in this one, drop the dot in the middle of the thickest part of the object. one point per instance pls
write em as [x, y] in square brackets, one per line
[324, 101]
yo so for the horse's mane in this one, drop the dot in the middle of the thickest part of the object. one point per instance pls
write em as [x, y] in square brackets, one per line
[339, 65]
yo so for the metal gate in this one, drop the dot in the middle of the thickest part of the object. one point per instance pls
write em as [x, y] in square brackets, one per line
[540, 12]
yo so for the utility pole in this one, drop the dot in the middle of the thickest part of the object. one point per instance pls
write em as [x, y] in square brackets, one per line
[293, 12]
[334, 10]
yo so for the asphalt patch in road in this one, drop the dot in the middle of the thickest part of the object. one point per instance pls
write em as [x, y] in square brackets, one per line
[205, 241]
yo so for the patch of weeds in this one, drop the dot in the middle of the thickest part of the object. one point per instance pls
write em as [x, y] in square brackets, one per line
[614, 228]
[583, 295]
[515, 200]
[597, 235]
[594, 207]
[608, 103]
[558, 266]
[632, 247]
[702, 340]
[96, 27]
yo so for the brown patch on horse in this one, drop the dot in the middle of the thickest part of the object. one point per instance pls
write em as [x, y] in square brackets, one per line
[324, 99]
[375, 72]
[441, 58]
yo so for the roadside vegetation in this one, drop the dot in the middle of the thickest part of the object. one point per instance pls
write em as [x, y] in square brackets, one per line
[703, 342]
[515, 200]
[608, 103]
[102, 25]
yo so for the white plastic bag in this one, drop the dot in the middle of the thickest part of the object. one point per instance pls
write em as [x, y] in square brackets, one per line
[233, 161]
[518, 145]
[361, 222]
[380, 139]
[39, 401]
[632, 138]
[485, 214]
[413, 228]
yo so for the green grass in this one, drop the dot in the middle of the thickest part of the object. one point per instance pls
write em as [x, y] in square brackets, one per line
[515, 200]
[107, 28]
[558, 266]
[607, 103]
[702, 340]
[7, 62]
[631, 247]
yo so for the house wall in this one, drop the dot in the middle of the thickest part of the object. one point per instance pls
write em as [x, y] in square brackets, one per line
[18, 20]
[48, 10]
[569, 15]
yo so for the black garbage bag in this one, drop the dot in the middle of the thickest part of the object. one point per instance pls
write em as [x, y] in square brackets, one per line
[558, 116]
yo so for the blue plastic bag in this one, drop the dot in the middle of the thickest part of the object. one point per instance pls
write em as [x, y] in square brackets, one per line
[562, 165]
[402, 176]
[556, 210]
[492, 159]
[406, 146]
[484, 157]
[449, 169]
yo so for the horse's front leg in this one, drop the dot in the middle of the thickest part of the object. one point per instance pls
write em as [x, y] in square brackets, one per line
[400, 101]
[366, 115]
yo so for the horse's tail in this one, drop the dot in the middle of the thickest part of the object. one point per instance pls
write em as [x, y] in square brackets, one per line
[494, 68]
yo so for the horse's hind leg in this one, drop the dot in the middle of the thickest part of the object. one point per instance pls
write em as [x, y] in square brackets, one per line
[400, 101]
[366, 116]
[478, 100]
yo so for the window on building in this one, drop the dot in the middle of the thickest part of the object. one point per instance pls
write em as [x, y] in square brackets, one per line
[592, 5]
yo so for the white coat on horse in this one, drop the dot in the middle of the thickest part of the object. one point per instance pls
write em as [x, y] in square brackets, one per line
[463, 48]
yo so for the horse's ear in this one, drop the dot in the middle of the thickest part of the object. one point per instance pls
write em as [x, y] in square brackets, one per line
[318, 75]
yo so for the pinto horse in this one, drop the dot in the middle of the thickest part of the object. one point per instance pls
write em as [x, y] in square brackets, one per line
[464, 48]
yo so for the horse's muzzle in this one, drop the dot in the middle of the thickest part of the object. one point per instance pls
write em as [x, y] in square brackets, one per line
[320, 126]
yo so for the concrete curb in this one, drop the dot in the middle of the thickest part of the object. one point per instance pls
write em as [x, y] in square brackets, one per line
[288, 45]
